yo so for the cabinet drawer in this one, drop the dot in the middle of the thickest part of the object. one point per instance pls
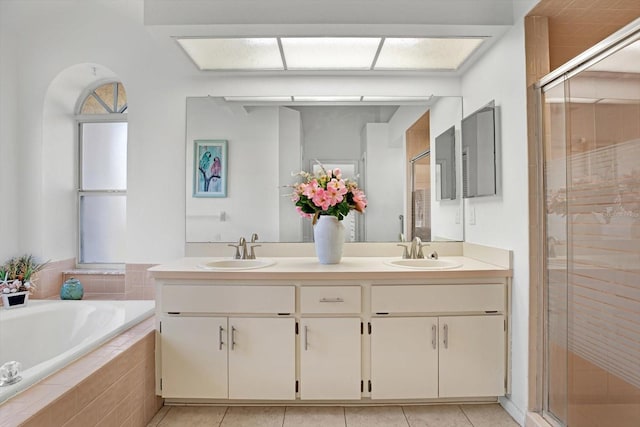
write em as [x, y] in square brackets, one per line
[330, 299]
[437, 298]
[228, 299]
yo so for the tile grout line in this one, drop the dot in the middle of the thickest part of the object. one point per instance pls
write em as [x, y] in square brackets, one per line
[223, 415]
[465, 415]
[284, 415]
[163, 417]
[405, 416]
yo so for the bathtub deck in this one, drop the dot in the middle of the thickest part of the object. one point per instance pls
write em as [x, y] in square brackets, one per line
[114, 384]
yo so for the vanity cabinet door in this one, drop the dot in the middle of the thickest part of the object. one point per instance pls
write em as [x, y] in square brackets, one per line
[262, 358]
[404, 358]
[194, 357]
[330, 358]
[472, 356]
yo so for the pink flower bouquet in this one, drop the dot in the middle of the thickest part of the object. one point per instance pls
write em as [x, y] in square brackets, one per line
[327, 193]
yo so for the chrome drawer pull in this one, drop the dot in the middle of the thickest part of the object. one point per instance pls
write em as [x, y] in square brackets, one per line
[445, 340]
[338, 299]
[434, 339]
[233, 337]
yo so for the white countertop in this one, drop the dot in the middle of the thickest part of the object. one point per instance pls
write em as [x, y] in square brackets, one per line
[308, 268]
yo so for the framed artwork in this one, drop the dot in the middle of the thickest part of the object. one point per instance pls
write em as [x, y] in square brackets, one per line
[210, 168]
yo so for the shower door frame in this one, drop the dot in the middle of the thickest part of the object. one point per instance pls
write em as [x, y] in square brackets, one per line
[538, 292]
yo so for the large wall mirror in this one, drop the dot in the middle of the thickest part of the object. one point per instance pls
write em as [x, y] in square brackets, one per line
[267, 143]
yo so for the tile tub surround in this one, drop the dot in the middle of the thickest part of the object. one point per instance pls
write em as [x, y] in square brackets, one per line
[50, 278]
[138, 282]
[486, 415]
[97, 284]
[113, 385]
[131, 284]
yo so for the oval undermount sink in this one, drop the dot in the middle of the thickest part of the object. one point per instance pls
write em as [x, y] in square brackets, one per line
[236, 264]
[425, 264]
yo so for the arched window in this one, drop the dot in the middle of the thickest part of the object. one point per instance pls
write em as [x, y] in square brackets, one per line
[109, 98]
[102, 194]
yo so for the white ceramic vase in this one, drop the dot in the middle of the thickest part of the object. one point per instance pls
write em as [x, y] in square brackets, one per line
[328, 236]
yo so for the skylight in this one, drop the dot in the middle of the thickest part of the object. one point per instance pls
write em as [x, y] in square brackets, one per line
[425, 54]
[234, 54]
[329, 53]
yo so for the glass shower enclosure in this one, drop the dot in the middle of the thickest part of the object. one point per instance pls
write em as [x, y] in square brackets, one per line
[591, 151]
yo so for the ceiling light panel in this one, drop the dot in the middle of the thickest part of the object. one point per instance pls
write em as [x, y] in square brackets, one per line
[329, 53]
[258, 98]
[425, 53]
[395, 98]
[234, 53]
[338, 98]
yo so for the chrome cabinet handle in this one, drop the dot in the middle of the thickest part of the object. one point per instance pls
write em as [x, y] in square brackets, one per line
[434, 336]
[233, 337]
[337, 299]
[306, 337]
[445, 339]
[220, 342]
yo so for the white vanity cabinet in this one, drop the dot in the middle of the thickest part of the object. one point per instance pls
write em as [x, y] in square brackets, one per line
[404, 358]
[262, 358]
[330, 359]
[356, 332]
[206, 355]
[194, 357]
[330, 346]
[459, 355]
[472, 356]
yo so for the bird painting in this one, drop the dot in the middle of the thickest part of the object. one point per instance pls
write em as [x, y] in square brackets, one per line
[209, 163]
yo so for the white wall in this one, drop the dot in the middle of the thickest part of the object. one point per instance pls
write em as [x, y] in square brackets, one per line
[334, 132]
[252, 202]
[446, 215]
[290, 157]
[384, 183]
[9, 202]
[502, 220]
[158, 77]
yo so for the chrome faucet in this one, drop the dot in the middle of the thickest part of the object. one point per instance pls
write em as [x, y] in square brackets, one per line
[243, 244]
[241, 249]
[252, 254]
[416, 248]
[415, 252]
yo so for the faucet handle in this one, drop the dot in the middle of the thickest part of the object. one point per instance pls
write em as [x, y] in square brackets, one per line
[254, 237]
[237, 255]
[252, 254]
[405, 253]
[419, 253]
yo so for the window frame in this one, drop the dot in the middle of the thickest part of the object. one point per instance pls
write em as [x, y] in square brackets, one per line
[80, 120]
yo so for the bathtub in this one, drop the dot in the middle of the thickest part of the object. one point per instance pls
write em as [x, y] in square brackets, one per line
[47, 335]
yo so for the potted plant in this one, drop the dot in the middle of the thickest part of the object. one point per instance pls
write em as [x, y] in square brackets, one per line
[327, 198]
[17, 280]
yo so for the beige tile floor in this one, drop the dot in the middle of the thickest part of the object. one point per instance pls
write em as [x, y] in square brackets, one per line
[486, 415]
